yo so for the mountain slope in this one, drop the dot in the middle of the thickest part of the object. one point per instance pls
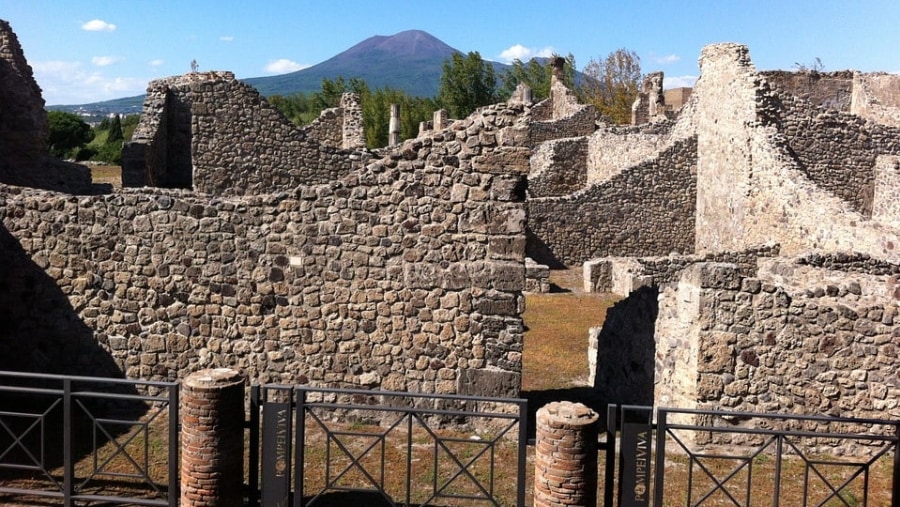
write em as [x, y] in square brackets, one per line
[410, 61]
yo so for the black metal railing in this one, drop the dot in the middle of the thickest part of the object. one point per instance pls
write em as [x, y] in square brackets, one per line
[704, 457]
[383, 448]
[88, 439]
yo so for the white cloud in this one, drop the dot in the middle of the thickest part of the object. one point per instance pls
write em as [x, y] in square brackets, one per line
[678, 82]
[520, 52]
[666, 59]
[283, 66]
[103, 61]
[98, 25]
[69, 82]
[157, 63]
[226, 38]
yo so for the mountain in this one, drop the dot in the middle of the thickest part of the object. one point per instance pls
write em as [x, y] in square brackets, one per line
[410, 61]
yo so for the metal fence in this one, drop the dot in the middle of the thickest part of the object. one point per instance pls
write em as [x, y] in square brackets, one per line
[705, 457]
[313, 446]
[86, 439]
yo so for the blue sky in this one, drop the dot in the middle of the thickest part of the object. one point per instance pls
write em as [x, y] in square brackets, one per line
[85, 51]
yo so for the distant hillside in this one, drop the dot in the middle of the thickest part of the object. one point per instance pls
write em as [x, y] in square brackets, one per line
[410, 61]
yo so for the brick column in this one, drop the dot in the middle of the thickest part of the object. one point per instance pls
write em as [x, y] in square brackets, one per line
[565, 456]
[212, 439]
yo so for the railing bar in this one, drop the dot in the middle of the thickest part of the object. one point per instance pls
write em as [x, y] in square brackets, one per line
[895, 487]
[779, 439]
[30, 390]
[792, 417]
[119, 499]
[76, 378]
[662, 428]
[253, 454]
[174, 490]
[298, 398]
[789, 433]
[407, 410]
[610, 470]
[34, 492]
[523, 451]
[399, 394]
[409, 457]
[68, 459]
[120, 396]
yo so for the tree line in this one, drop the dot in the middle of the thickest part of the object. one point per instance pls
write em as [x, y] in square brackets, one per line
[467, 82]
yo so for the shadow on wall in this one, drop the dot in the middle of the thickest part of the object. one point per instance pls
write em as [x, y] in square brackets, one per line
[40, 332]
[540, 252]
[626, 349]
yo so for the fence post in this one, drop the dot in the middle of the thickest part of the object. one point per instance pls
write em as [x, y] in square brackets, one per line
[212, 443]
[565, 457]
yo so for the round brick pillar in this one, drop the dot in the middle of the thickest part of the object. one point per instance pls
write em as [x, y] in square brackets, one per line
[565, 456]
[212, 439]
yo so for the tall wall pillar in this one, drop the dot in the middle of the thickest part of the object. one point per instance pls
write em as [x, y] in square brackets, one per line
[565, 457]
[394, 126]
[212, 439]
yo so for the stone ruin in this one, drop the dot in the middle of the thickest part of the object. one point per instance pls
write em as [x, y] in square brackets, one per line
[24, 128]
[753, 236]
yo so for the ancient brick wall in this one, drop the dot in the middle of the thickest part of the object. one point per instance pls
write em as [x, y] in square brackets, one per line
[612, 149]
[214, 134]
[646, 209]
[406, 275]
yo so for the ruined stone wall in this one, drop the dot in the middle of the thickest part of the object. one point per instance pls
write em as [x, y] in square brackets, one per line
[24, 128]
[23, 121]
[623, 275]
[837, 151]
[231, 140]
[328, 128]
[876, 97]
[831, 90]
[558, 167]
[814, 335]
[753, 187]
[647, 209]
[612, 149]
[406, 275]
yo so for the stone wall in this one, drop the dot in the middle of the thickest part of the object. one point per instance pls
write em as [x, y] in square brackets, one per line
[214, 134]
[612, 149]
[405, 275]
[836, 151]
[876, 97]
[624, 275]
[815, 335]
[558, 167]
[759, 178]
[830, 90]
[339, 127]
[24, 129]
[647, 209]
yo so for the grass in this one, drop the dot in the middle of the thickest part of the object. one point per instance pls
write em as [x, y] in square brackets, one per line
[111, 174]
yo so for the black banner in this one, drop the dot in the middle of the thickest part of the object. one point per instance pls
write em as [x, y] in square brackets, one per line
[635, 447]
[276, 454]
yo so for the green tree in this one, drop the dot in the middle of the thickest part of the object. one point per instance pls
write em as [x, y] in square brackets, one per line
[115, 130]
[68, 132]
[537, 76]
[467, 83]
[612, 84]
